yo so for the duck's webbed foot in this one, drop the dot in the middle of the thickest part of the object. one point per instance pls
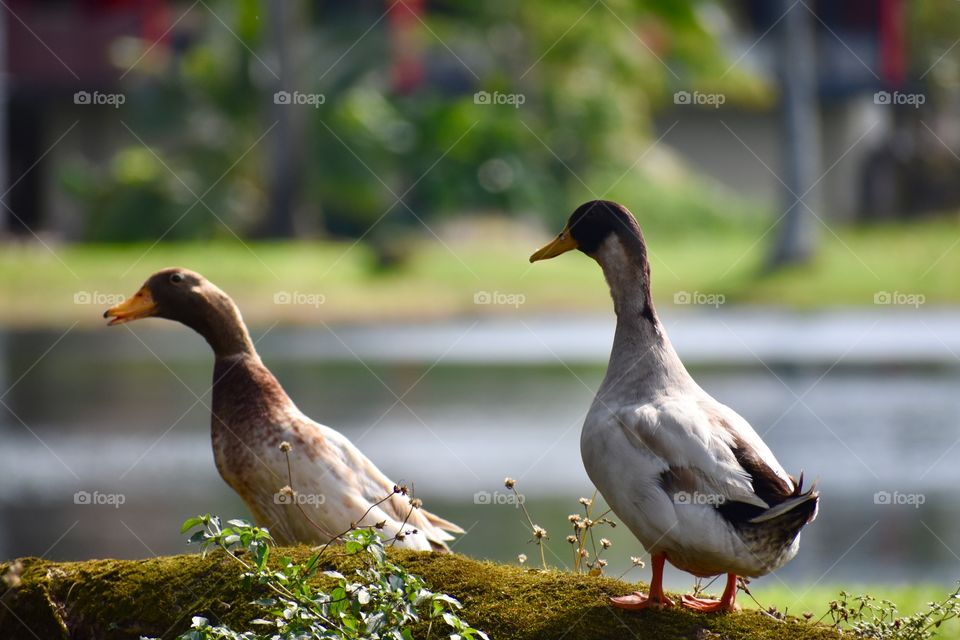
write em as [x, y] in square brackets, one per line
[637, 601]
[726, 603]
[656, 598]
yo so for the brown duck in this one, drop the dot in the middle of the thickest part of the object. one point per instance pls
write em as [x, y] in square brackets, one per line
[335, 485]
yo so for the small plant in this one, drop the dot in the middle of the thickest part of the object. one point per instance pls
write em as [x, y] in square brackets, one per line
[582, 537]
[539, 533]
[583, 527]
[863, 616]
[380, 599]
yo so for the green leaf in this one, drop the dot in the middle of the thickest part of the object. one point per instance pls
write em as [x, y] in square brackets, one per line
[190, 523]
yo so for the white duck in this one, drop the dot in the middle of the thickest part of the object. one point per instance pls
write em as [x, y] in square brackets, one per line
[690, 477]
[334, 485]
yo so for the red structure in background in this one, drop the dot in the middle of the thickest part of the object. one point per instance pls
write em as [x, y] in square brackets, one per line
[54, 49]
[406, 66]
[80, 35]
[893, 45]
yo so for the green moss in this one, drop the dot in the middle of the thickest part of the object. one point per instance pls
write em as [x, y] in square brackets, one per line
[106, 599]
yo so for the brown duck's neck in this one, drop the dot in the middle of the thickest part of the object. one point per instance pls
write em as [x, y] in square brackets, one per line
[225, 345]
[222, 327]
[246, 394]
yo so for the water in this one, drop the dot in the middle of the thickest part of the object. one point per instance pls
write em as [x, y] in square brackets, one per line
[117, 412]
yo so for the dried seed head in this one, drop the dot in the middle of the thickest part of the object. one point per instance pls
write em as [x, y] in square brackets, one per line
[587, 522]
[600, 563]
[572, 539]
[539, 532]
[606, 544]
[584, 553]
[509, 482]
[638, 562]
[287, 490]
[574, 518]
[416, 503]
[11, 577]
[285, 447]
[401, 535]
[522, 558]
[380, 525]
[586, 502]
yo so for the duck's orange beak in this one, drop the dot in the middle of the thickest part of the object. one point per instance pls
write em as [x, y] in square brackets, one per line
[141, 305]
[561, 244]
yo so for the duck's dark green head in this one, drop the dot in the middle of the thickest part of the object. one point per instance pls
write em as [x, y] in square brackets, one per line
[607, 232]
[590, 226]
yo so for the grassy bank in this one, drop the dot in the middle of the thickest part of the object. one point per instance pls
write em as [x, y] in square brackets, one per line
[335, 281]
[119, 599]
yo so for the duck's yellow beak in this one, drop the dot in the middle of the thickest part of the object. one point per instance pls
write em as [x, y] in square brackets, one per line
[141, 305]
[561, 244]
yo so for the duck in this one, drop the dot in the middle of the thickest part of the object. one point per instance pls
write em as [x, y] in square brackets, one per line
[685, 473]
[301, 480]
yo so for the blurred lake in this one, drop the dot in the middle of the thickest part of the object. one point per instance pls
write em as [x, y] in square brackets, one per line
[861, 401]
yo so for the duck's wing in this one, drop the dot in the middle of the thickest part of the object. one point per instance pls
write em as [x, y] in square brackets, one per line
[707, 448]
[372, 486]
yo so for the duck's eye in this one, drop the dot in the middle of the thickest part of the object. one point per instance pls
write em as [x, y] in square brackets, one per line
[176, 278]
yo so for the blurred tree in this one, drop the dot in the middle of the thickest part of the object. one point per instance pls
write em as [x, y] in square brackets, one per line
[570, 88]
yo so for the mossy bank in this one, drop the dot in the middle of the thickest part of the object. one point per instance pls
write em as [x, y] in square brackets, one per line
[106, 599]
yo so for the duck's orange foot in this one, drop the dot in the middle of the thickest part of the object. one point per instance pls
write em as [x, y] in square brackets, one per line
[706, 605]
[637, 601]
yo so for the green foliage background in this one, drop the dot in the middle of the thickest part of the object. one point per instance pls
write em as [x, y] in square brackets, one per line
[588, 77]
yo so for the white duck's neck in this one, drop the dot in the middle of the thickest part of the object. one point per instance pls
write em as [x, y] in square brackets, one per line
[642, 359]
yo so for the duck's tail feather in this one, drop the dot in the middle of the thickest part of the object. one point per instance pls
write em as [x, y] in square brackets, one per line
[440, 523]
[802, 506]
